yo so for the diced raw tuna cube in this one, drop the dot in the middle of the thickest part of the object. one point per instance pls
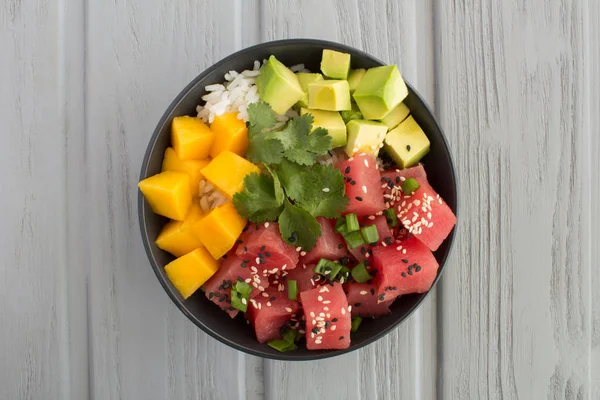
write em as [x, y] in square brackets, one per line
[403, 268]
[218, 287]
[328, 318]
[363, 299]
[363, 185]
[330, 244]
[305, 277]
[265, 249]
[268, 312]
[383, 230]
[426, 215]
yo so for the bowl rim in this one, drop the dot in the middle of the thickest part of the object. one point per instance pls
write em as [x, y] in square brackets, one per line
[316, 355]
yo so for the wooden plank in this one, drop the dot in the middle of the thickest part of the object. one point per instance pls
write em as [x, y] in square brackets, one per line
[516, 309]
[402, 364]
[43, 339]
[139, 58]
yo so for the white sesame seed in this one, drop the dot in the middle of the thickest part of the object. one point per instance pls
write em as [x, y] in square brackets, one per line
[333, 327]
[351, 158]
[364, 189]
[312, 282]
[266, 224]
[288, 309]
[317, 341]
[284, 267]
[399, 248]
[320, 298]
[326, 301]
[363, 292]
[384, 185]
[403, 251]
[312, 314]
[257, 260]
[302, 253]
[323, 289]
[298, 248]
[328, 315]
[280, 287]
[384, 244]
[265, 294]
[268, 304]
[314, 322]
[259, 306]
[248, 280]
[325, 308]
[312, 335]
[366, 163]
[321, 314]
[343, 311]
[255, 285]
[379, 213]
[326, 190]
[371, 217]
[262, 289]
[349, 308]
[244, 301]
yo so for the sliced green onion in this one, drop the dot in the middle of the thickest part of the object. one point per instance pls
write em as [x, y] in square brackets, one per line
[370, 234]
[340, 226]
[327, 268]
[354, 239]
[409, 186]
[240, 293]
[355, 323]
[291, 336]
[282, 345]
[391, 217]
[292, 289]
[343, 274]
[352, 222]
[360, 273]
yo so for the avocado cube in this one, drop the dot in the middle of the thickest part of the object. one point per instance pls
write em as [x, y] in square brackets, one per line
[335, 65]
[380, 90]
[330, 120]
[364, 136]
[396, 116]
[278, 86]
[305, 78]
[407, 143]
[354, 78]
[329, 95]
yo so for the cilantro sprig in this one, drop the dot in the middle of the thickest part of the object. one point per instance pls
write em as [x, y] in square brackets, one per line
[297, 189]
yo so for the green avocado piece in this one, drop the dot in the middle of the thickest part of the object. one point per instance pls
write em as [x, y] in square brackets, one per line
[330, 120]
[396, 116]
[329, 95]
[335, 65]
[278, 86]
[407, 143]
[380, 90]
[305, 78]
[354, 78]
[353, 113]
[364, 136]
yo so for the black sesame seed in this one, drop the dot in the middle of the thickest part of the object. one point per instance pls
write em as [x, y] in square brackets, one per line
[341, 338]
[397, 179]
[262, 248]
[357, 305]
[390, 185]
[327, 324]
[418, 268]
[340, 246]
[245, 249]
[405, 261]
[363, 250]
[404, 274]
[384, 179]
[210, 295]
[267, 254]
[358, 198]
[347, 170]
[224, 257]
[315, 330]
[381, 297]
[410, 272]
[245, 229]
[257, 227]
[388, 241]
[246, 261]
[408, 147]
[372, 291]
[334, 320]
[353, 183]
[273, 298]
[348, 179]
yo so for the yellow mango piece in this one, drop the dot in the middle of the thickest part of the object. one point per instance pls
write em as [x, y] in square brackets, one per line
[189, 272]
[219, 229]
[168, 194]
[191, 167]
[230, 134]
[227, 171]
[178, 237]
[191, 138]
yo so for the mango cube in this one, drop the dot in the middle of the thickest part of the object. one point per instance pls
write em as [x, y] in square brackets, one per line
[191, 167]
[168, 194]
[178, 237]
[219, 229]
[191, 138]
[189, 272]
[231, 134]
[227, 172]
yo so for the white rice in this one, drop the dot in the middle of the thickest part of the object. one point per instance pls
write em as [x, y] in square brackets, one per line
[209, 196]
[333, 157]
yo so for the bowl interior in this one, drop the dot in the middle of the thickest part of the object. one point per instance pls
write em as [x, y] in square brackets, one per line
[205, 314]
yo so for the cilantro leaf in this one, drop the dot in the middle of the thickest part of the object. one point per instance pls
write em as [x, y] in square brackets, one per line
[279, 193]
[318, 189]
[298, 227]
[299, 144]
[258, 201]
[261, 148]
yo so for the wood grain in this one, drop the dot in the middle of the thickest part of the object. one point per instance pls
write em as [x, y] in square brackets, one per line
[512, 94]
[403, 364]
[43, 334]
[140, 55]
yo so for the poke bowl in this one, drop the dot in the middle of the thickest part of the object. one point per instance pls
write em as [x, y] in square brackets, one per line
[298, 200]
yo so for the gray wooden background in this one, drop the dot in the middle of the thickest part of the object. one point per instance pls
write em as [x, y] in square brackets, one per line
[516, 85]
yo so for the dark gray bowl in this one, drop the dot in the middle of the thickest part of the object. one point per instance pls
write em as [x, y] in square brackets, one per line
[236, 333]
